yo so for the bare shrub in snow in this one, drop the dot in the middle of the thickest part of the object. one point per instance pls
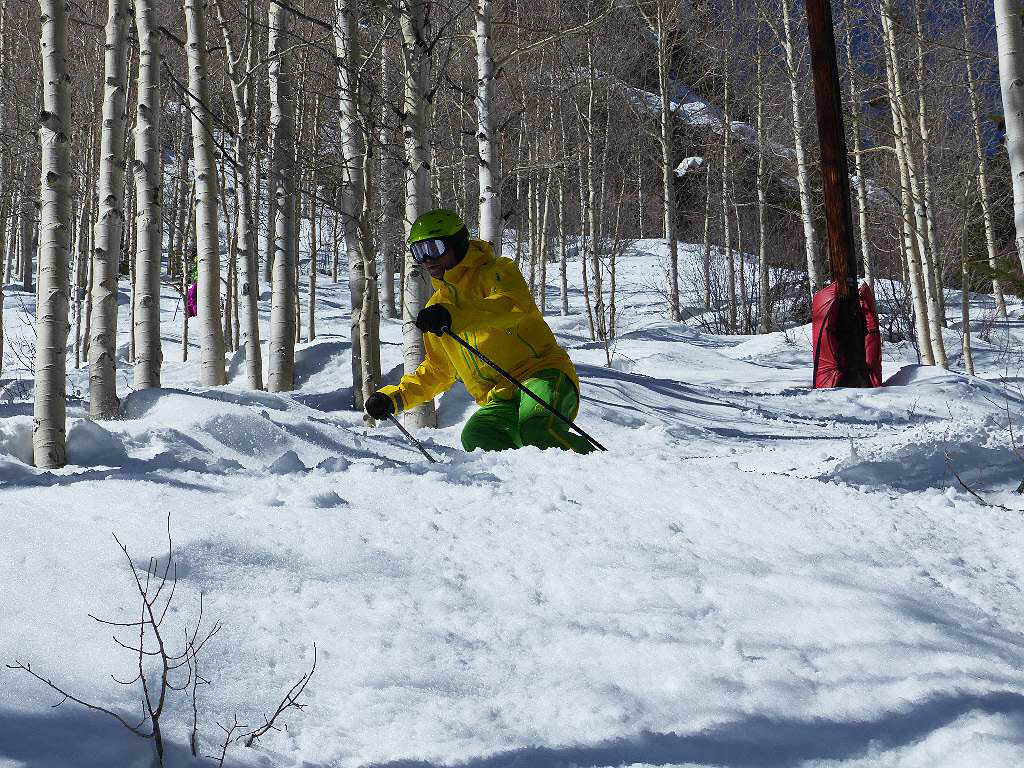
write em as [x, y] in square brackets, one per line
[162, 669]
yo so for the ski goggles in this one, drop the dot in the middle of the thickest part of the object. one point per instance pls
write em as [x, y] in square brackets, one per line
[425, 251]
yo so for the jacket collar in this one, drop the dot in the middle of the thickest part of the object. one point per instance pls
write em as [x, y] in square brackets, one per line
[480, 252]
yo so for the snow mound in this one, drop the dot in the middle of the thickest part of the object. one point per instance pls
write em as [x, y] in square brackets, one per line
[16, 438]
[287, 463]
[91, 445]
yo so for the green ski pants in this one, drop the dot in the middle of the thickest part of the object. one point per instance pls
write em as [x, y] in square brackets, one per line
[504, 424]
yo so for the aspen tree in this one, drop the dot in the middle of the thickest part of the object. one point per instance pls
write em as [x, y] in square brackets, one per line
[965, 283]
[489, 180]
[347, 49]
[661, 23]
[281, 377]
[803, 175]
[29, 226]
[982, 176]
[763, 319]
[860, 184]
[416, 61]
[243, 97]
[706, 252]
[927, 199]
[730, 257]
[148, 196]
[103, 402]
[1010, 44]
[5, 179]
[911, 248]
[918, 224]
[593, 245]
[211, 332]
[50, 407]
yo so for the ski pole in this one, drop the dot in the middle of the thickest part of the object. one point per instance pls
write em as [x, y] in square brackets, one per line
[571, 424]
[412, 439]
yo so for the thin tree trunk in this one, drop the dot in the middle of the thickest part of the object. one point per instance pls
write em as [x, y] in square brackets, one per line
[103, 402]
[730, 258]
[543, 254]
[910, 240]
[919, 225]
[243, 95]
[858, 169]
[803, 172]
[346, 45]
[965, 286]
[563, 277]
[763, 309]
[706, 257]
[592, 202]
[28, 228]
[1010, 44]
[667, 141]
[417, 198]
[489, 180]
[928, 201]
[983, 195]
[50, 407]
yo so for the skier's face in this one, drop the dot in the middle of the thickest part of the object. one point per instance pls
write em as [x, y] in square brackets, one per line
[438, 267]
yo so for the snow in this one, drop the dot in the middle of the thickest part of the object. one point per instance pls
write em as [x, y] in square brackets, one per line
[689, 164]
[755, 574]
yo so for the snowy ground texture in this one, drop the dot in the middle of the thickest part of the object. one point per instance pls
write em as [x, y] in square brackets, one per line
[756, 574]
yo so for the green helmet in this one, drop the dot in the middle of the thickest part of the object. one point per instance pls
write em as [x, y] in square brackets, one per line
[439, 223]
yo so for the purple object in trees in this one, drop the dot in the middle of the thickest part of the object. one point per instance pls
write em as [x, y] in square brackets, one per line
[191, 300]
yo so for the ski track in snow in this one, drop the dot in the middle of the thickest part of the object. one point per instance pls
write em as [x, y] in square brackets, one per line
[756, 574]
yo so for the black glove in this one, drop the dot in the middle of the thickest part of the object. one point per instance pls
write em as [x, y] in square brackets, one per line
[379, 406]
[435, 319]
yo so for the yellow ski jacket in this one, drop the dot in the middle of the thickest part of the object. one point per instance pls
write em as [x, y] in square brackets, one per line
[492, 309]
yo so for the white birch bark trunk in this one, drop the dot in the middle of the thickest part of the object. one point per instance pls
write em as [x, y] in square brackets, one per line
[982, 174]
[860, 184]
[730, 257]
[103, 402]
[919, 224]
[928, 200]
[148, 196]
[50, 407]
[706, 251]
[543, 250]
[243, 97]
[417, 182]
[369, 315]
[563, 275]
[487, 174]
[27, 222]
[912, 256]
[597, 288]
[668, 166]
[211, 332]
[763, 319]
[281, 375]
[346, 46]
[803, 175]
[965, 286]
[1010, 44]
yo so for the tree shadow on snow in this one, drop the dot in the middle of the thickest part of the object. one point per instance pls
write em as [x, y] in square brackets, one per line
[757, 742]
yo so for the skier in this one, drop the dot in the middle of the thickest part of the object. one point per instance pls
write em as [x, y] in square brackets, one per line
[484, 300]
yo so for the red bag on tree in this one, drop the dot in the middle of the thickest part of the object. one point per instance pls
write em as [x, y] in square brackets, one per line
[830, 370]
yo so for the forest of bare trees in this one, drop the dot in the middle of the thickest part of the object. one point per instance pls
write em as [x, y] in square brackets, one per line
[256, 142]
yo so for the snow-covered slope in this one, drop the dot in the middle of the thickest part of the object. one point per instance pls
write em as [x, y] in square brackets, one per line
[755, 574]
